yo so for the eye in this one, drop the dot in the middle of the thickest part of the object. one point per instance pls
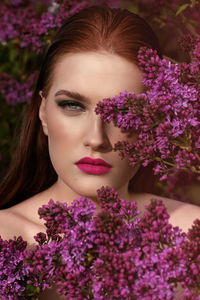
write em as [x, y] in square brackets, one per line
[71, 105]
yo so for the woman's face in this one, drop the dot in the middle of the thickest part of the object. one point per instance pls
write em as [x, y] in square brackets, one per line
[74, 130]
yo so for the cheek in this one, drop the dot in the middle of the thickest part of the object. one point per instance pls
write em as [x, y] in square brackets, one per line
[60, 142]
[56, 131]
[62, 130]
[60, 139]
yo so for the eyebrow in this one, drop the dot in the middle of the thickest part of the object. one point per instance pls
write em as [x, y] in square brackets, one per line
[72, 94]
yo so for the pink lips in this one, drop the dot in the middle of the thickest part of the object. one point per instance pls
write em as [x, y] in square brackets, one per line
[93, 166]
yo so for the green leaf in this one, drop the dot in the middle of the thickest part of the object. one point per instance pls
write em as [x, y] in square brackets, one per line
[31, 290]
[182, 8]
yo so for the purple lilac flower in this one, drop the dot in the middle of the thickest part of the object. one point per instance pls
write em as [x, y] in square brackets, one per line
[67, 8]
[159, 264]
[85, 238]
[16, 22]
[21, 21]
[26, 25]
[145, 270]
[191, 248]
[14, 91]
[114, 254]
[12, 270]
[57, 216]
[39, 263]
[71, 231]
[165, 119]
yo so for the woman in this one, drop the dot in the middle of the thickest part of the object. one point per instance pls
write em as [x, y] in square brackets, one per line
[65, 150]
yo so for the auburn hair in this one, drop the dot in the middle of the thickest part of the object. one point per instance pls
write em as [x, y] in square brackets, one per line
[95, 28]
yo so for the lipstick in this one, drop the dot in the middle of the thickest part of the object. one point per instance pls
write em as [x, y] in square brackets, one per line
[93, 166]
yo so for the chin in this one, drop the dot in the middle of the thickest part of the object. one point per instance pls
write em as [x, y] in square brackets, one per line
[89, 193]
[90, 190]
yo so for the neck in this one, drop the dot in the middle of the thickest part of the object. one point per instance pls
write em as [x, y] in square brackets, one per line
[59, 192]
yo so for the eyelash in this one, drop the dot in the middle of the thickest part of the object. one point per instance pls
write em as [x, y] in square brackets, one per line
[65, 105]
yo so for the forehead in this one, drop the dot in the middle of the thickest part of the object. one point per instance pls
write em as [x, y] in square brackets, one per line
[96, 75]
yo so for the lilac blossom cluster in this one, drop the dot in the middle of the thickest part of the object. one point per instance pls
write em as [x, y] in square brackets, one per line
[23, 24]
[32, 27]
[165, 120]
[15, 91]
[115, 254]
[12, 269]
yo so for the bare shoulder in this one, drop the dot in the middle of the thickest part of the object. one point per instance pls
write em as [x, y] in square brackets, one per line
[23, 219]
[13, 225]
[182, 214]
[20, 220]
[8, 220]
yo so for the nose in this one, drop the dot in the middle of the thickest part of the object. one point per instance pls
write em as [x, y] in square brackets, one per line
[96, 136]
